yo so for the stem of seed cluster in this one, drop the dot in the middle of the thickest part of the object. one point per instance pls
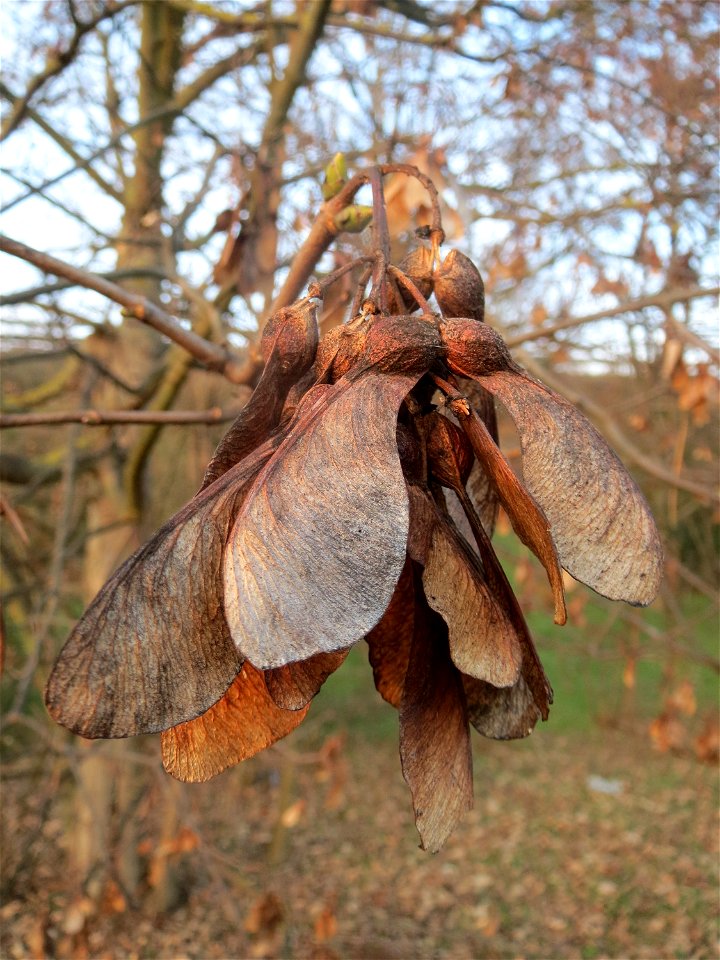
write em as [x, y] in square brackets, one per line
[381, 241]
[409, 285]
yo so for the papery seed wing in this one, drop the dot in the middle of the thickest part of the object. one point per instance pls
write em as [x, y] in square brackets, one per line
[434, 735]
[480, 490]
[288, 345]
[484, 642]
[242, 723]
[509, 713]
[153, 648]
[293, 686]
[316, 551]
[389, 642]
[526, 516]
[601, 524]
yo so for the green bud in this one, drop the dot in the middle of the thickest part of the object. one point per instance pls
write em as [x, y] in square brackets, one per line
[353, 219]
[335, 176]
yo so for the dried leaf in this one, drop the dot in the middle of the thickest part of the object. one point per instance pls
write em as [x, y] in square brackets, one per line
[153, 649]
[294, 685]
[434, 735]
[319, 544]
[239, 725]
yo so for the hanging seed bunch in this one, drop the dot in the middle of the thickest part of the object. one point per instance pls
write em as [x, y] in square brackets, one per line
[330, 515]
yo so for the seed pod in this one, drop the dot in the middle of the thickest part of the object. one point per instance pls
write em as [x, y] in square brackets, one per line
[292, 333]
[449, 452]
[459, 288]
[403, 345]
[474, 349]
[338, 351]
[417, 266]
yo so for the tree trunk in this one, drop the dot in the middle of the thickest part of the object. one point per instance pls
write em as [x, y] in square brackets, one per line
[108, 786]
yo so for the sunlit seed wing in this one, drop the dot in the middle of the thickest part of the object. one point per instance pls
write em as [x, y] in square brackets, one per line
[293, 686]
[389, 642]
[509, 713]
[601, 524]
[316, 551]
[242, 723]
[526, 516]
[288, 344]
[153, 648]
[434, 735]
[483, 639]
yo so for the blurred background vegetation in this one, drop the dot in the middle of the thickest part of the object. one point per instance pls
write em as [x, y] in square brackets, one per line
[178, 149]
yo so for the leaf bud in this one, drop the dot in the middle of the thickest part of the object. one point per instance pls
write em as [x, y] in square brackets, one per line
[353, 219]
[335, 177]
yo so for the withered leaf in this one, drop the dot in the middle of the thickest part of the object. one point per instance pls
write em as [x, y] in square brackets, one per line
[389, 642]
[243, 722]
[316, 551]
[288, 346]
[601, 524]
[293, 686]
[153, 648]
[434, 735]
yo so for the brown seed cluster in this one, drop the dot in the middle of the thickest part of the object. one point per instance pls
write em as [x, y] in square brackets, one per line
[354, 499]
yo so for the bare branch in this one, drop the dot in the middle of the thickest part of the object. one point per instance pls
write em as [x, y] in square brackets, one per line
[209, 354]
[102, 418]
[663, 299]
[56, 62]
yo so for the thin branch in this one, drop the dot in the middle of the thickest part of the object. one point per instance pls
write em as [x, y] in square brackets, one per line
[173, 107]
[663, 299]
[56, 62]
[102, 418]
[25, 296]
[209, 354]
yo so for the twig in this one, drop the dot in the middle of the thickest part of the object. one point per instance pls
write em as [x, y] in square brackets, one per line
[663, 299]
[209, 354]
[99, 418]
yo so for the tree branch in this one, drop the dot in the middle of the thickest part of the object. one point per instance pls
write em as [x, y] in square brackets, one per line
[56, 62]
[663, 299]
[209, 354]
[102, 418]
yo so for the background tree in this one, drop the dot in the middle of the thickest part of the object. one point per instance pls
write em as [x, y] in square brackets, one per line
[177, 149]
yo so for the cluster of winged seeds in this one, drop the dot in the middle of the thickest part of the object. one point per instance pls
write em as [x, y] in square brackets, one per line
[354, 498]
